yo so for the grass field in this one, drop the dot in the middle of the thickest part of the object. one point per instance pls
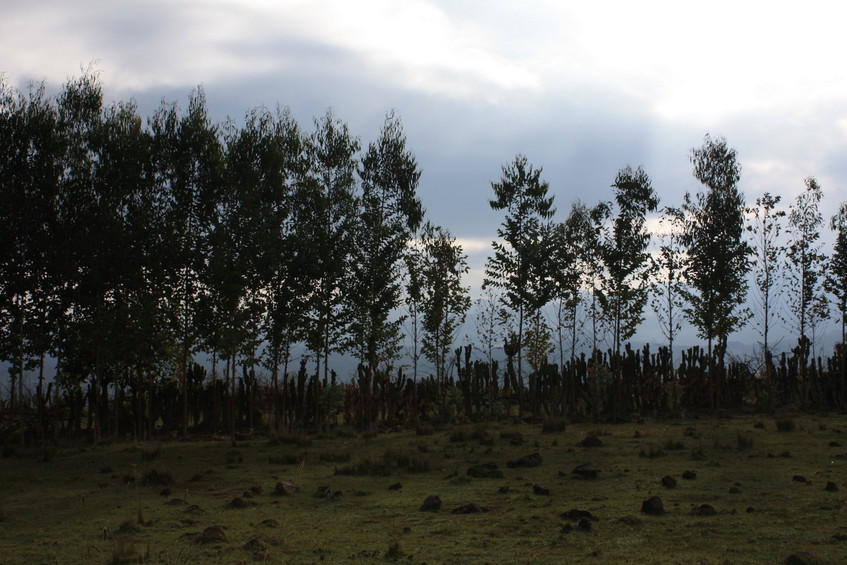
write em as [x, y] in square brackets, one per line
[759, 496]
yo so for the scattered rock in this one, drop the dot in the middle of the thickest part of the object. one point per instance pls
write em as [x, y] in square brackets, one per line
[196, 478]
[591, 440]
[531, 460]
[238, 503]
[129, 527]
[734, 490]
[576, 515]
[255, 544]
[583, 524]
[629, 520]
[269, 523]
[107, 469]
[470, 508]
[804, 558]
[256, 489]
[395, 486]
[668, 481]
[485, 471]
[176, 502]
[540, 490]
[167, 491]
[586, 470]
[704, 510]
[830, 486]
[799, 479]
[431, 504]
[194, 509]
[284, 488]
[505, 489]
[326, 492]
[212, 534]
[689, 475]
[653, 505]
[834, 444]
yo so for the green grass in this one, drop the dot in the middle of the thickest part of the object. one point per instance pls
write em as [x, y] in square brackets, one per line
[82, 506]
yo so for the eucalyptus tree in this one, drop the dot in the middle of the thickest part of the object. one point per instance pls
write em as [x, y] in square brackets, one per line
[668, 263]
[29, 176]
[836, 275]
[805, 267]
[718, 256]
[390, 212]
[444, 300]
[765, 228]
[188, 159]
[327, 203]
[623, 248]
[522, 265]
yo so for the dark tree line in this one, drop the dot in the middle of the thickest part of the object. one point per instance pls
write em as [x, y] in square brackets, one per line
[131, 246]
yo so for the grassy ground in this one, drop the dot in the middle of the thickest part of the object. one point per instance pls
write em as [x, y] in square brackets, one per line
[105, 504]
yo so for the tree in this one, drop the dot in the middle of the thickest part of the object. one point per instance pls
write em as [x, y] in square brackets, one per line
[765, 228]
[668, 264]
[326, 195]
[390, 213]
[188, 156]
[444, 301]
[836, 277]
[624, 289]
[718, 262]
[521, 265]
[805, 267]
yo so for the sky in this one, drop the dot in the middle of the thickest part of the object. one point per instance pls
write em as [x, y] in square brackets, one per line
[581, 88]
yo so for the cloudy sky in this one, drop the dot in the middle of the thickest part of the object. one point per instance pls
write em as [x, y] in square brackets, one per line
[581, 88]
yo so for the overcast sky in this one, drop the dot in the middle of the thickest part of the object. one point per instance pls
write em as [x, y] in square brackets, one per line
[582, 88]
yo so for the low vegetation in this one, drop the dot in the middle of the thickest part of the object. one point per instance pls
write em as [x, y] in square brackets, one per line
[704, 491]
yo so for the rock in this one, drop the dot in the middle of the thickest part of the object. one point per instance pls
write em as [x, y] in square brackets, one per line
[176, 502]
[689, 475]
[326, 492]
[212, 534]
[269, 523]
[704, 510]
[504, 489]
[668, 481]
[830, 486]
[395, 486]
[799, 479]
[485, 471]
[834, 444]
[629, 520]
[255, 544]
[167, 491]
[583, 524]
[431, 504]
[734, 490]
[196, 478]
[237, 503]
[194, 509]
[653, 506]
[531, 460]
[586, 470]
[591, 440]
[284, 488]
[540, 490]
[256, 489]
[470, 508]
[576, 515]
[804, 558]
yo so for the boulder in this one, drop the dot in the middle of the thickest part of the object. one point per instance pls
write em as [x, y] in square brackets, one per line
[653, 506]
[432, 503]
[531, 460]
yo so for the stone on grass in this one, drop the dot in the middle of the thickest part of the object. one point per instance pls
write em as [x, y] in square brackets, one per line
[576, 515]
[531, 460]
[689, 475]
[212, 534]
[485, 471]
[395, 486]
[668, 481]
[586, 470]
[470, 508]
[704, 510]
[799, 479]
[284, 488]
[326, 492]
[591, 440]
[653, 506]
[540, 490]
[432, 503]
[830, 486]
